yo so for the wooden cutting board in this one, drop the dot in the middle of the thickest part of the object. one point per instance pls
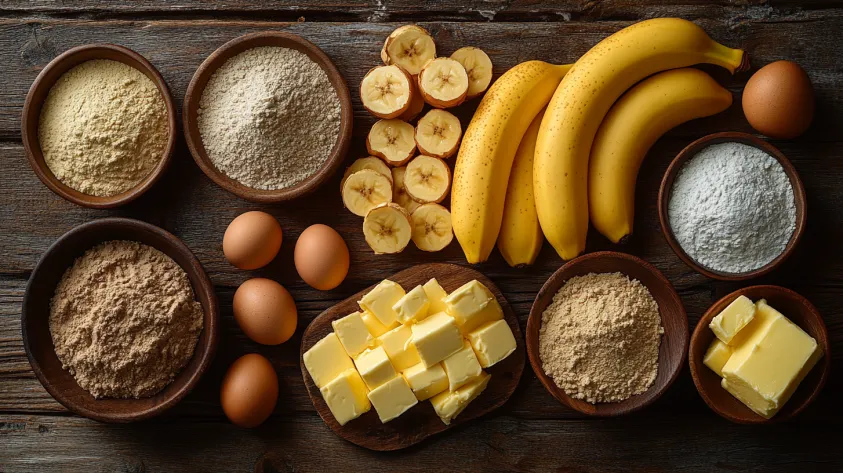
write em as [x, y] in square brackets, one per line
[420, 421]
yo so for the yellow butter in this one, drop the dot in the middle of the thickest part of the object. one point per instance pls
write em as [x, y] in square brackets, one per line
[401, 353]
[346, 396]
[353, 334]
[375, 327]
[436, 295]
[374, 367]
[461, 367]
[379, 301]
[436, 338]
[449, 404]
[426, 382]
[412, 307]
[392, 398]
[492, 342]
[473, 305]
[717, 355]
[733, 319]
[326, 360]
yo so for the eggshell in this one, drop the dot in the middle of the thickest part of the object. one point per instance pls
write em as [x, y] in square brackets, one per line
[778, 100]
[252, 240]
[265, 311]
[321, 257]
[249, 391]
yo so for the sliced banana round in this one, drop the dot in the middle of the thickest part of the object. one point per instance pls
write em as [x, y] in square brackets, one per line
[427, 179]
[365, 190]
[478, 66]
[369, 162]
[432, 230]
[408, 47]
[443, 82]
[438, 133]
[387, 228]
[399, 192]
[386, 91]
[416, 104]
[392, 140]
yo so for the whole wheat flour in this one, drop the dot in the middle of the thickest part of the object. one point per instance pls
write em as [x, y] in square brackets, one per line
[269, 117]
[600, 337]
[124, 321]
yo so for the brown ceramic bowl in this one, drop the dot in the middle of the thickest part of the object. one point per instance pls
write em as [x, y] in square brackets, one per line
[673, 348]
[799, 311]
[689, 152]
[197, 87]
[38, 342]
[32, 113]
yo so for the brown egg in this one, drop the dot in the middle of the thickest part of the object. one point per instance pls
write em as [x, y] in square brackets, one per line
[321, 257]
[252, 240]
[778, 100]
[249, 391]
[265, 311]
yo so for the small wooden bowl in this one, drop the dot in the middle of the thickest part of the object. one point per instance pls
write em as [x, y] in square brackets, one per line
[32, 114]
[799, 311]
[673, 347]
[197, 87]
[689, 152]
[38, 342]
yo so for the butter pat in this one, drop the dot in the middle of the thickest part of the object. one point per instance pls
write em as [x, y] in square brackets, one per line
[492, 342]
[473, 305]
[436, 338]
[448, 405]
[733, 319]
[461, 367]
[375, 327]
[412, 307]
[346, 396]
[716, 356]
[326, 360]
[426, 382]
[392, 399]
[398, 348]
[374, 367]
[436, 295]
[379, 301]
[353, 334]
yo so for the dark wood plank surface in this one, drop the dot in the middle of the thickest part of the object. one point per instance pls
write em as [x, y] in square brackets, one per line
[532, 432]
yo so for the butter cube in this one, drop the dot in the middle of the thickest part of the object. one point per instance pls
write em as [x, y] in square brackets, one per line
[374, 367]
[380, 300]
[346, 396]
[733, 319]
[401, 353]
[449, 404]
[473, 305]
[436, 295]
[412, 307]
[426, 382]
[716, 356]
[461, 367]
[353, 334]
[326, 360]
[492, 342]
[392, 398]
[436, 338]
[375, 327]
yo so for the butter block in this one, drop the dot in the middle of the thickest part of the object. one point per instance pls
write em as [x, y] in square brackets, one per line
[436, 338]
[326, 360]
[353, 334]
[375, 327]
[473, 305]
[392, 399]
[412, 307]
[492, 342]
[346, 396]
[449, 404]
[380, 300]
[398, 348]
[716, 356]
[436, 295]
[733, 319]
[461, 367]
[426, 382]
[374, 367]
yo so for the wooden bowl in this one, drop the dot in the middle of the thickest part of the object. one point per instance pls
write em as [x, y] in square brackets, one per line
[32, 113]
[674, 344]
[197, 87]
[38, 342]
[799, 311]
[689, 152]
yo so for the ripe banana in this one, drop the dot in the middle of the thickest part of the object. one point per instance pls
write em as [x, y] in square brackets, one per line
[392, 140]
[387, 91]
[478, 66]
[409, 47]
[431, 227]
[443, 82]
[365, 190]
[387, 229]
[438, 133]
[633, 124]
[560, 170]
[427, 179]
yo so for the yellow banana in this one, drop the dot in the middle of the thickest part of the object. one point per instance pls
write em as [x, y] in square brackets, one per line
[521, 237]
[633, 124]
[485, 158]
[560, 169]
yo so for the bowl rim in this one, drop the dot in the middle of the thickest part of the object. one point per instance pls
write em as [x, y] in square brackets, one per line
[219, 57]
[31, 113]
[666, 187]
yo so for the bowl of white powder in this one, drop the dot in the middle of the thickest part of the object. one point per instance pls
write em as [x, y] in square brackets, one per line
[268, 117]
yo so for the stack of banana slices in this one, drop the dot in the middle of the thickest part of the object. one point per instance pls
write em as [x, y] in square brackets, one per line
[399, 189]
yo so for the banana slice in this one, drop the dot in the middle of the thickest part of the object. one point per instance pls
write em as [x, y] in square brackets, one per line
[416, 104]
[427, 179]
[443, 82]
[478, 66]
[369, 162]
[432, 229]
[399, 192]
[387, 228]
[386, 91]
[393, 140]
[408, 47]
[365, 190]
[438, 134]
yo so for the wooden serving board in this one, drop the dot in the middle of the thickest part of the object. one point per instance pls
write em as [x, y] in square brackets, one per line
[421, 421]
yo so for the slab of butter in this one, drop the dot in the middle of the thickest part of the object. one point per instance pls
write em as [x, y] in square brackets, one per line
[728, 323]
[461, 367]
[412, 307]
[375, 327]
[436, 338]
[426, 382]
[380, 300]
[436, 295]
[326, 360]
[449, 404]
[473, 305]
[492, 342]
[716, 356]
[392, 398]
[398, 348]
[353, 334]
[374, 367]
[346, 396]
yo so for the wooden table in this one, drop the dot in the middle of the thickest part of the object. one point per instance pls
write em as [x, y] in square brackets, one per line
[530, 433]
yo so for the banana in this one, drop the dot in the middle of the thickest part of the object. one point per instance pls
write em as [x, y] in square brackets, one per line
[369, 162]
[633, 124]
[365, 190]
[432, 229]
[409, 47]
[386, 91]
[487, 150]
[478, 66]
[427, 179]
[438, 134]
[392, 140]
[560, 169]
[387, 228]
[443, 82]
[399, 192]
[521, 237]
